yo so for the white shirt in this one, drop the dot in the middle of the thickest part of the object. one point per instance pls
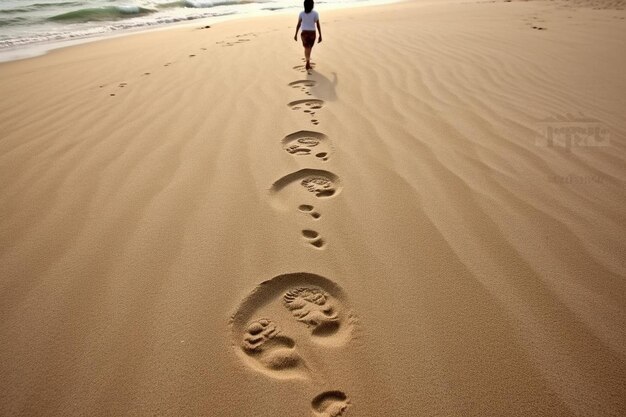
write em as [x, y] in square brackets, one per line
[309, 19]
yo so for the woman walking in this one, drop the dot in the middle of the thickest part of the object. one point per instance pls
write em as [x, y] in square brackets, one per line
[308, 19]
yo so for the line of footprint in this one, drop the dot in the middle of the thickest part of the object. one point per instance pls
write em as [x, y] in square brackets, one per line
[245, 37]
[302, 190]
[290, 326]
[238, 39]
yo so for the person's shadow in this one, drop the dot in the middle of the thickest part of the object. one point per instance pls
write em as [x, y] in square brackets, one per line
[324, 88]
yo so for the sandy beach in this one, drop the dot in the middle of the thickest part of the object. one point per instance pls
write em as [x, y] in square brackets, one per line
[431, 222]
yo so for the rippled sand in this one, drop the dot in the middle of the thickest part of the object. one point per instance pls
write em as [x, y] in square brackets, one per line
[431, 222]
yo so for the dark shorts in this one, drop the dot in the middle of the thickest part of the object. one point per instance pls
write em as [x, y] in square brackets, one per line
[308, 38]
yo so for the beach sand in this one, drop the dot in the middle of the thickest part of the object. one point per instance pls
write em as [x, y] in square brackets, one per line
[431, 222]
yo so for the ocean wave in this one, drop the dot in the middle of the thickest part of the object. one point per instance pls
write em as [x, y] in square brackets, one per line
[200, 4]
[58, 36]
[125, 12]
[59, 4]
[12, 21]
[39, 6]
[15, 10]
[273, 9]
[102, 14]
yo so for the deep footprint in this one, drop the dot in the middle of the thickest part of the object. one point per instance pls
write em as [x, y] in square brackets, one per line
[313, 307]
[303, 142]
[306, 304]
[308, 209]
[320, 186]
[313, 238]
[310, 234]
[330, 404]
[318, 243]
[302, 85]
[307, 104]
[319, 183]
[263, 342]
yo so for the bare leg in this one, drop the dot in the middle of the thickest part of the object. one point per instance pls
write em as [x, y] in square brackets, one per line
[307, 56]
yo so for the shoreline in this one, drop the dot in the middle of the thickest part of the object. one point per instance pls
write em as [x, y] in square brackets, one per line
[42, 48]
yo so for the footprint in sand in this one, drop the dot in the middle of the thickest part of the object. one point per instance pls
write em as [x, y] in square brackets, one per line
[330, 404]
[303, 86]
[303, 188]
[288, 317]
[322, 186]
[308, 143]
[313, 238]
[310, 210]
[263, 343]
[315, 319]
[120, 85]
[307, 105]
[237, 39]
[314, 307]
[302, 68]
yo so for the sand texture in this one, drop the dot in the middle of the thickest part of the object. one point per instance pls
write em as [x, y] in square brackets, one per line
[431, 222]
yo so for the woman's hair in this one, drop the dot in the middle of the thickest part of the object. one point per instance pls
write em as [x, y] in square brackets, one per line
[308, 6]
